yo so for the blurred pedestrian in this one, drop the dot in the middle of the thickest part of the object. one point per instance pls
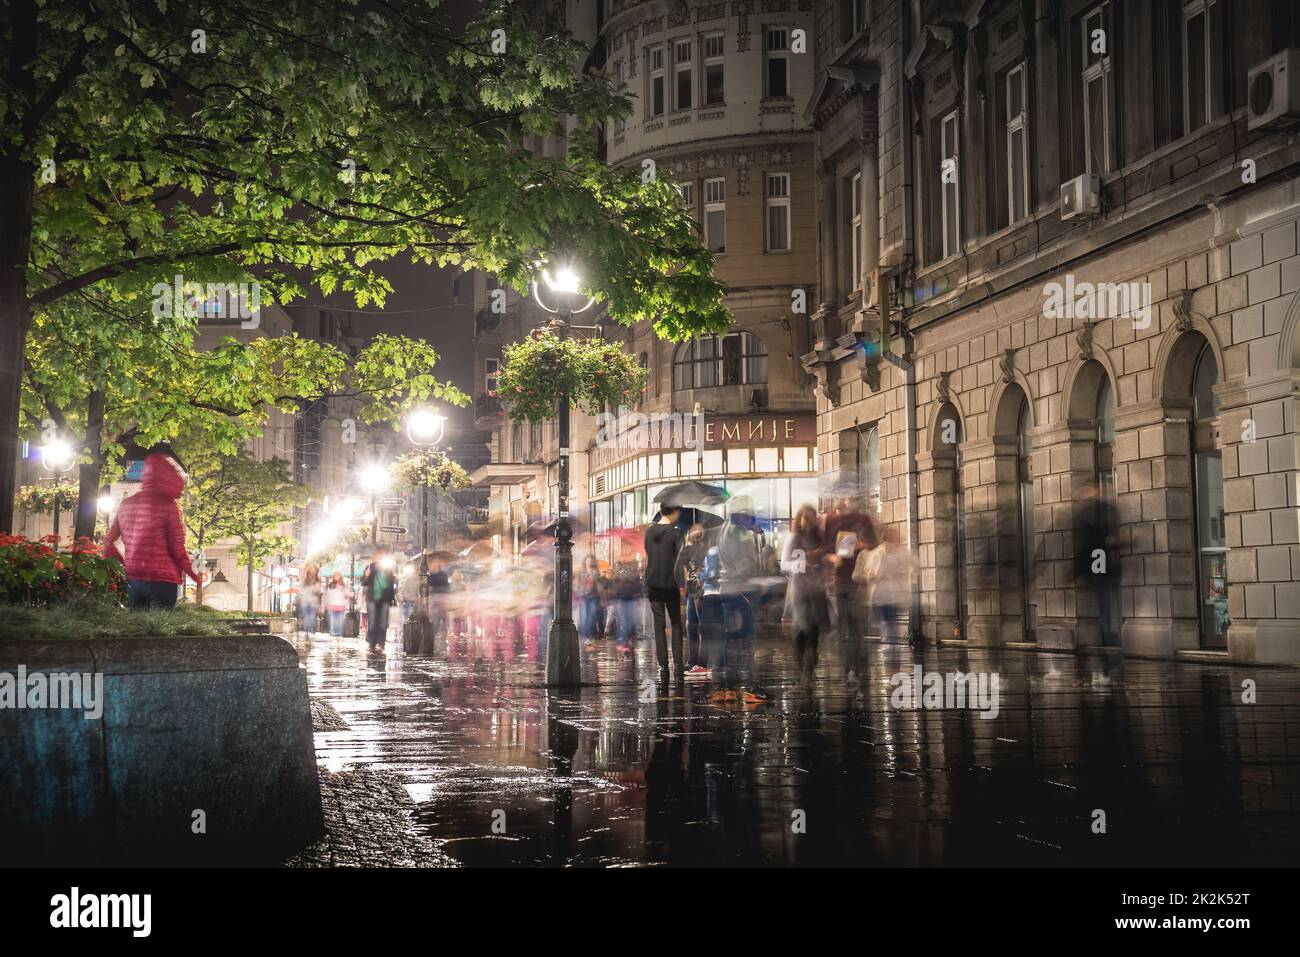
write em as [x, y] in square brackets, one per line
[739, 554]
[588, 593]
[888, 570]
[626, 590]
[1096, 559]
[690, 562]
[336, 603]
[379, 583]
[309, 597]
[150, 527]
[438, 587]
[663, 542]
[802, 559]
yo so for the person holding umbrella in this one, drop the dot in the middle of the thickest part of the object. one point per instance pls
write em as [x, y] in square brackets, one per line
[663, 542]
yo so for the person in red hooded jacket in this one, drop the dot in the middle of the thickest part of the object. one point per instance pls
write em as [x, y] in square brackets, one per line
[149, 525]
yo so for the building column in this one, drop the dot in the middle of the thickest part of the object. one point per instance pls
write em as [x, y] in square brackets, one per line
[1153, 491]
[1260, 441]
[828, 286]
[870, 208]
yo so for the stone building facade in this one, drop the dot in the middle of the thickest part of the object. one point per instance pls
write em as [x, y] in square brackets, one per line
[1077, 266]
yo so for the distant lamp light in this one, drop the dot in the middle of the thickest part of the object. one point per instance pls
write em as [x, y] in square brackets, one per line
[105, 505]
[375, 478]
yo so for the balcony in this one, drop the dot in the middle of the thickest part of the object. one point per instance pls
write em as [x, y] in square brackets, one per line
[487, 412]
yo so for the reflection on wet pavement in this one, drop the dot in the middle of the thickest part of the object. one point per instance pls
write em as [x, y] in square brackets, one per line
[629, 772]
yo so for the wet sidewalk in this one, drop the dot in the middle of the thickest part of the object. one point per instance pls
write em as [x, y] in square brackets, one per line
[1091, 760]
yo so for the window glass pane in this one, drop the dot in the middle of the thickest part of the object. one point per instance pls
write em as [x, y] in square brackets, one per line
[1097, 123]
[654, 467]
[716, 229]
[777, 227]
[657, 96]
[765, 460]
[776, 76]
[1017, 174]
[1015, 92]
[1206, 403]
[712, 461]
[1195, 59]
[731, 360]
[713, 83]
[1105, 414]
[796, 458]
[690, 463]
[669, 465]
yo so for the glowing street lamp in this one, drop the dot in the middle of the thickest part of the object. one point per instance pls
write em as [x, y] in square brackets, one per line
[425, 428]
[562, 664]
[57, 456]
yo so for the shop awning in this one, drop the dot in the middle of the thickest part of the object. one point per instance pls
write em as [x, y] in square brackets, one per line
[506, 473]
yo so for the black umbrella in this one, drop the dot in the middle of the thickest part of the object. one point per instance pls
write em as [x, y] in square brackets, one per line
[693, 493]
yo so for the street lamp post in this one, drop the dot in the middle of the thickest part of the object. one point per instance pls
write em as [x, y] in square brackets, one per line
[563, 667]
[57, 456]
[425, 429]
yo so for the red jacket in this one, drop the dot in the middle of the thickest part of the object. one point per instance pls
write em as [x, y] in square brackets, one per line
[149, 524]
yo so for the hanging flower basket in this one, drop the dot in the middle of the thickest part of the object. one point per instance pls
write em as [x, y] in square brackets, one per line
[537, 372]
[430, 469]
[44, 499]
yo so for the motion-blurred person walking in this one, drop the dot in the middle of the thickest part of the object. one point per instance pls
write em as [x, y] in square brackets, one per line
[380, 585]
[309, 597]
[802, 559]
[690, 562]
[888, 570]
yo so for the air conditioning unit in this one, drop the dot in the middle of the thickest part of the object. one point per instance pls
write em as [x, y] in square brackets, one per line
[1081, 197]
[871, 290]
[1273, 92]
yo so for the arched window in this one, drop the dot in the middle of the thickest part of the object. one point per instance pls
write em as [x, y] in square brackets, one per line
[737, 358]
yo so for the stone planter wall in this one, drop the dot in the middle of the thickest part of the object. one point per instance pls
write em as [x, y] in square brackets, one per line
[217, 725]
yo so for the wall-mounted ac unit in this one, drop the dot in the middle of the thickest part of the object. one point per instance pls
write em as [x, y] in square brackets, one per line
[871, 290]
[1273, 92]
[1081, 197]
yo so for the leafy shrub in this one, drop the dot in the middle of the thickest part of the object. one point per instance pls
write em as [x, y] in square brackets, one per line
[40, 573]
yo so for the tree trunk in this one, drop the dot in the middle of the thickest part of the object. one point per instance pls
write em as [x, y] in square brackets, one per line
[88, 474]
[250, 573]
[19, 178]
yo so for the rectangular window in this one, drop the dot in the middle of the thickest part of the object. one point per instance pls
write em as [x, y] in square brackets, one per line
[682, 75]
[655, 77]
[1097, 134]
[1017, 144]
[687, 192]
[778, 212]
[1203, 62]
[777, 53]
[711, 54]
[853, 216]
[715, 215]
[490, 376]
[949, 171]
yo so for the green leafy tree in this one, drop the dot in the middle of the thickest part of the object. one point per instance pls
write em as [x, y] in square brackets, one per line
[231, 140]
[237, 497]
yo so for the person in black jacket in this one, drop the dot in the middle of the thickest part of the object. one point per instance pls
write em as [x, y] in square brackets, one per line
[379, 584]
[1096, 559]
[663, 541]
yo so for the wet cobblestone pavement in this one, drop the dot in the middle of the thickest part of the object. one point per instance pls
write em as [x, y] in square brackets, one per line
[632, 772]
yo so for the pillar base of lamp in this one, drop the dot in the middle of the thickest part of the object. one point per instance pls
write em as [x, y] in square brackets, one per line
[351, 624]
[417, 635]
[563, 667]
